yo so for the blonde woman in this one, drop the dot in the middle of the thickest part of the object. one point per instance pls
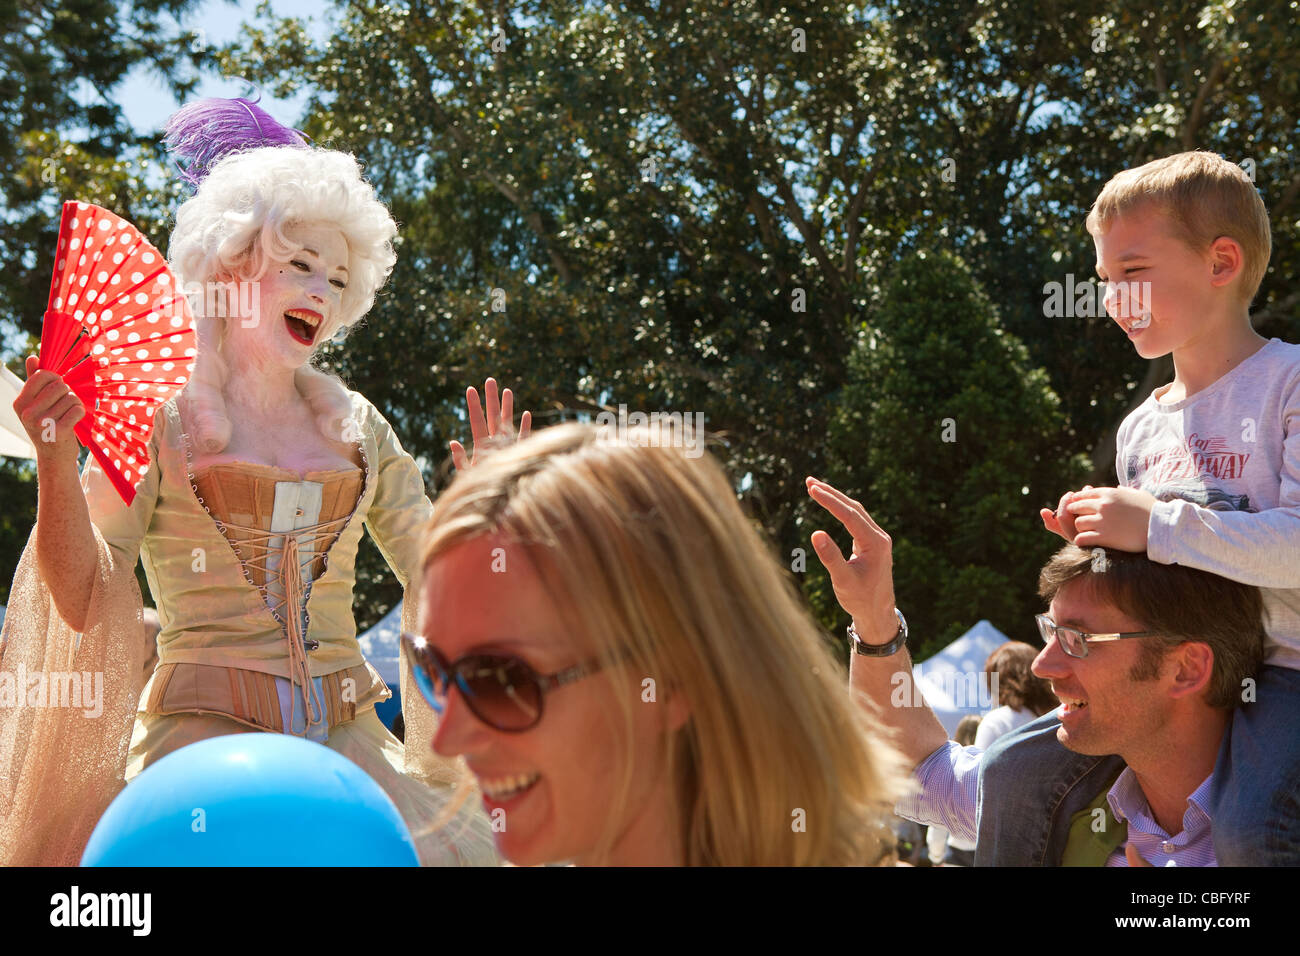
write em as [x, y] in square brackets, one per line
[629, 673]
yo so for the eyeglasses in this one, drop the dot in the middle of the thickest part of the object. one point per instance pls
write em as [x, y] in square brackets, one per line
[1074, 641]
[502, 691]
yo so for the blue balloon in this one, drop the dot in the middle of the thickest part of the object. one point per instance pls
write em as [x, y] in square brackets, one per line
[254, 799]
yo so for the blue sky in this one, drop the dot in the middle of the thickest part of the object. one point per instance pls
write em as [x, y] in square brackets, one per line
[146, 101]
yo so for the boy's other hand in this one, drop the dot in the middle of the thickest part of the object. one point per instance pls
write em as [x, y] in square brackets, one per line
[1061, 521]
[1111, 518]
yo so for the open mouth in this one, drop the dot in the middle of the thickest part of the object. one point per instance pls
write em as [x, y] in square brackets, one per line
[504, 789]
[1137, 324]
[302, 324]
[1070, 705]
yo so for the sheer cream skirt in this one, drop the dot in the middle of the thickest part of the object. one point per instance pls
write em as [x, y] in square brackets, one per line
[61, 766]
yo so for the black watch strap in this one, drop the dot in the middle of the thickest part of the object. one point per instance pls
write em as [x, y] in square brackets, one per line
[880, 650]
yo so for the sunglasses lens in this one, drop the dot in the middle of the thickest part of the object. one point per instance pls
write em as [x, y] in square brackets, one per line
[425, 669]
[427, 688]
[502, 692]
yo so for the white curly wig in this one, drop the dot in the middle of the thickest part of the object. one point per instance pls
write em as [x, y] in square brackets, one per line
[234, 226]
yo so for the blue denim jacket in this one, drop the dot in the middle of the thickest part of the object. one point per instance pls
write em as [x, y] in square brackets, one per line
[1029, 788]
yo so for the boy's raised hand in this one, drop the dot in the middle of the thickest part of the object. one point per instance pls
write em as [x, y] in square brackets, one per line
[1111, 518]
[1061, 521]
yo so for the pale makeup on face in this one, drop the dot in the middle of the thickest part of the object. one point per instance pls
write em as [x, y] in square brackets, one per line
[552, 790]
[297, 296]
[271, 422]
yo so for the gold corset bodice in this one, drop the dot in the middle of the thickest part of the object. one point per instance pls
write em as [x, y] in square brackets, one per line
[281, 528]
[241, 496]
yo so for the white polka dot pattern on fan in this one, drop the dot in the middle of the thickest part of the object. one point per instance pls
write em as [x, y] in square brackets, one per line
[132, 344]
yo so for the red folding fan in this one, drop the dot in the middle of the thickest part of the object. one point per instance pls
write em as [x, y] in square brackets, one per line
[120, 332]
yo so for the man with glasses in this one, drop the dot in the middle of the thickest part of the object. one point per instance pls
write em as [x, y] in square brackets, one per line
[1148, 660]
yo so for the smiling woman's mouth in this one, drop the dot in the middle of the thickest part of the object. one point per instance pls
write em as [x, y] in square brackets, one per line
[302, 324]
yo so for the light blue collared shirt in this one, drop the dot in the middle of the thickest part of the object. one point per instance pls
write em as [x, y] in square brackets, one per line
[1194, 846]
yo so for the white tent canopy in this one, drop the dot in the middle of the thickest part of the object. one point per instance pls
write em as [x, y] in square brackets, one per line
[381, 645]
[953, 679]
[13, 437]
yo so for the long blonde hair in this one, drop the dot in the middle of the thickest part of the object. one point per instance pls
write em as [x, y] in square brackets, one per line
[658, 571]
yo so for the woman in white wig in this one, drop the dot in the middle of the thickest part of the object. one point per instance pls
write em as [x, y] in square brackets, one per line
[265, 471]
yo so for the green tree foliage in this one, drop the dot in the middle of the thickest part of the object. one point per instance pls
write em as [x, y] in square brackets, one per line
[946, 433]
[692, 205]
[63, 136]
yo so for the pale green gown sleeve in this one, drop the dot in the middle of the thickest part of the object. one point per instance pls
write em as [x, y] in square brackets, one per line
[452, 827]
[396, 521]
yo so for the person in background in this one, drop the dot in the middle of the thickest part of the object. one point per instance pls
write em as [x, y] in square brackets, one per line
[1149, 661]
[263, 474]
[1022, 697]
[945, 849]
[1208, 467]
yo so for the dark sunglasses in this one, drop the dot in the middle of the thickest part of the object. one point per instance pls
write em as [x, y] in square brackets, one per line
[502, 691]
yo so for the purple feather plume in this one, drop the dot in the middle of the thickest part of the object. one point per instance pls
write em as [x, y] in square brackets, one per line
[205, 131]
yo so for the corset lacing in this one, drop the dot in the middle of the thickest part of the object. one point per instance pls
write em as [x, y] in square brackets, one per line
[290, 608]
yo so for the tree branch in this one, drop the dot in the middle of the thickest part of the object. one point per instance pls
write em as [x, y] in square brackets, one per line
[1197, 115]
[1286, 199]
[532, 216]
[853, 224]
[1157, 61]
[811, 235]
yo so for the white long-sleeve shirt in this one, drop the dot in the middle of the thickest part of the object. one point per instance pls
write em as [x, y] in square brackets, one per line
[1224, 466]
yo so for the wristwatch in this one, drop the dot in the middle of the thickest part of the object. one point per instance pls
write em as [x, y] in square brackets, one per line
[880, 650]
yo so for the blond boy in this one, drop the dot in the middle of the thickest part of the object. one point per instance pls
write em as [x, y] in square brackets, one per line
[1209, 464]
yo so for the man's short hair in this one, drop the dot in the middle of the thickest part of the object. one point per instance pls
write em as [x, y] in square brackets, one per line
[1203, 197]
[1178, 603]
